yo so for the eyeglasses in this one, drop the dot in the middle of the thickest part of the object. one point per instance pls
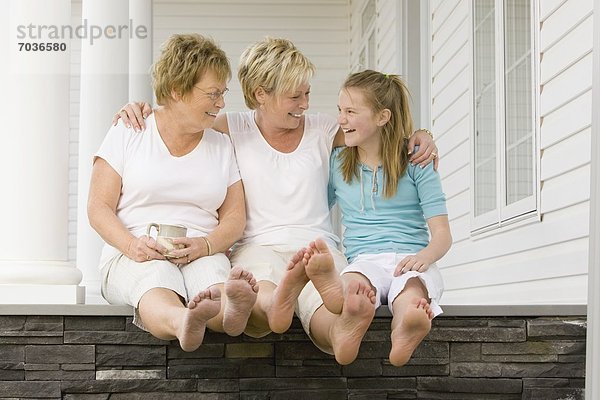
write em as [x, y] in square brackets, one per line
[214, 96]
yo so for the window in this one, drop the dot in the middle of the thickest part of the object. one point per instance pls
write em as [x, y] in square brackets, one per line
[504, 163]
[367, 47]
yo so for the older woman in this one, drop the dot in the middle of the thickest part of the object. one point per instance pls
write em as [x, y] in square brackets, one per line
[178, 172]
[283, 154]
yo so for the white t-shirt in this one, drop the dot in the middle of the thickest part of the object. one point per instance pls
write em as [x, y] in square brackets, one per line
[286, 193]
[158, 187]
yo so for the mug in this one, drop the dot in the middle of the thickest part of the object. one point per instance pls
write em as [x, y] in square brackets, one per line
[165, 234]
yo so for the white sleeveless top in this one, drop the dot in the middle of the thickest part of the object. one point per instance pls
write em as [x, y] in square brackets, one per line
[286, 193]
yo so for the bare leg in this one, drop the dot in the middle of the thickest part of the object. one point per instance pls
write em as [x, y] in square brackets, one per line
[411, 321]
[258, 321]
[343, 333]
[240, 296]
[164, 315]
[284, 299]
[323, 274]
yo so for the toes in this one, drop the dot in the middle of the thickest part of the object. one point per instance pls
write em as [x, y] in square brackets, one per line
[214, 293]
[236, 272]
[321, 246]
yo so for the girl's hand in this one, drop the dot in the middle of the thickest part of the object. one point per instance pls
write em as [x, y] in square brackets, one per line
[144, 249]
[133, 114]
[415, 262]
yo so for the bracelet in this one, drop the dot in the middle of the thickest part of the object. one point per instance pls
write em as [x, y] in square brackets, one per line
[208, 246]
[427, 131]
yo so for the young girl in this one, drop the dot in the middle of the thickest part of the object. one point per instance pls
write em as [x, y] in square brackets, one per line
[387, 205]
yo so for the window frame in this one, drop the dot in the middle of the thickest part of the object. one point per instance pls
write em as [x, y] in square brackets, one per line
[528, 208]
[366, 32]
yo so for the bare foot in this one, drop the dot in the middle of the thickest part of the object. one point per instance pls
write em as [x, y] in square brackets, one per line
[241, 291]
[321, 271]
[285, 295]
[414, 325]
[200, 309]
[352, 324]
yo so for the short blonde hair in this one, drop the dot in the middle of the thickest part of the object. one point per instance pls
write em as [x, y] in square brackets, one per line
[184, 60]
[274, 64]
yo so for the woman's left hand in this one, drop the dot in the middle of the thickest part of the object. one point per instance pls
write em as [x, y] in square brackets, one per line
[415, 262]
[192, 250]
[427, 151]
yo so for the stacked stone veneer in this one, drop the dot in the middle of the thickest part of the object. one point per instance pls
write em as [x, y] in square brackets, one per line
[93, 358]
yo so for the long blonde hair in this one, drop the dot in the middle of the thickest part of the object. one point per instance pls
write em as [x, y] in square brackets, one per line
[383, 91]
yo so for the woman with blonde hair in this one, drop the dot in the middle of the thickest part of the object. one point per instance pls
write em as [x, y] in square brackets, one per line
[178, 172]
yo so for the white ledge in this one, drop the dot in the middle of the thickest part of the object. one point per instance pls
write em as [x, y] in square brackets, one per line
[533, 310]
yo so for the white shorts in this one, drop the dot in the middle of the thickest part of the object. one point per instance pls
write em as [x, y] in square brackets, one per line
[125, 281]
[379, 270]
[269, 263]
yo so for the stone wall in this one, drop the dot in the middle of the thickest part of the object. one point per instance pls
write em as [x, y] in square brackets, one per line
[97, 357]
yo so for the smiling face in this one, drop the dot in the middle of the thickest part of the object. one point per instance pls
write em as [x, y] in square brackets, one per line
[205, 100]
[357, 119]
[286, 110]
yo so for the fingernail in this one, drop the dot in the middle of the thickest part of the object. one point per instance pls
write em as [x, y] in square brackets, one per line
[127, 126]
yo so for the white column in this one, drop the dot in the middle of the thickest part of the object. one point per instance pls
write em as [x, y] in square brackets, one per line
[104, 89]
[592, 370]
[140, 51]
[34, 160]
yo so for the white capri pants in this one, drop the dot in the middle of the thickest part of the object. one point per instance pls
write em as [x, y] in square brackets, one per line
[379, 270]
[125, 281]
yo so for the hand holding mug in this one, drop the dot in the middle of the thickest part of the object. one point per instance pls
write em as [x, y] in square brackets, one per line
[165, 235]
[145, 248]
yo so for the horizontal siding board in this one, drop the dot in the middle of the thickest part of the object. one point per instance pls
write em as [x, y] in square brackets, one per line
[451, 137]
[559, 260]
[547, 7]
[570, 154]
[442, 12]
[456, 182]
[257, 3]
[575, 45]
[445, 119]
[569, 290]
[456, 19]
[266, 24]
[458, 207]
[461, 223]
[250, 9]
[563, 20]
[557, 227]
[572, 187]
[456, 159]
[458, 40]
[447, 73]
[563, 122]
[567, 85]
[456, 88]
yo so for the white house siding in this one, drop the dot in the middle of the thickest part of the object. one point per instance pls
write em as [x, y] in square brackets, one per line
[320, 28]
[542, 261]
